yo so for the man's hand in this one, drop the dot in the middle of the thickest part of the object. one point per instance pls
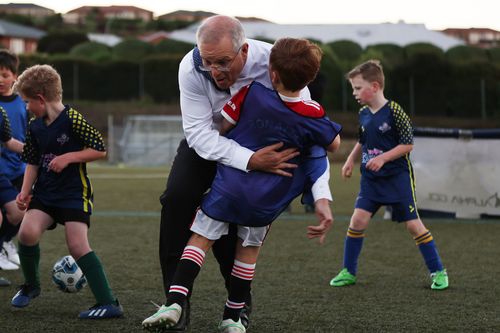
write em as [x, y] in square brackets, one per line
[271, 159]
[325, 218]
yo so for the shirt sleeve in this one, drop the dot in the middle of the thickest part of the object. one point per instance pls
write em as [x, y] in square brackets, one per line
[198, 125]
[232, 109]
[31, 153]
[5, 131]
[403, 125]
[88, 135]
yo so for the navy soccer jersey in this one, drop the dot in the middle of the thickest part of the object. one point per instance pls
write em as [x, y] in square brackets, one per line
[69, 132]
[11, 164]
[263, 118]
[380, 132]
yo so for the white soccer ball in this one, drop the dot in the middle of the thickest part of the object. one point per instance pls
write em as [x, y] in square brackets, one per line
[67, 276]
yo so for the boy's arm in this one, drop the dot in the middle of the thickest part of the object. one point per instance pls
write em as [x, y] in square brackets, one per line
[14, 145]
[349, 163]
[24, 197]
[86, 155]
[225, 127]
[376, 163]
[334, 146]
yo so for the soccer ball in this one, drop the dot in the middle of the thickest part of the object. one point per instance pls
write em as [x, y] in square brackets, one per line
[67, 276]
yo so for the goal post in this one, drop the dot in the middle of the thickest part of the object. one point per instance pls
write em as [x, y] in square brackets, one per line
[457, 172]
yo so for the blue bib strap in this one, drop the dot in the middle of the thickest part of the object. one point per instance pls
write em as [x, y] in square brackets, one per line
[198, 62]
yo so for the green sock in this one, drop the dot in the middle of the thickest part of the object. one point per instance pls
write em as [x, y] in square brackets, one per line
[96, 278]
[29, 256]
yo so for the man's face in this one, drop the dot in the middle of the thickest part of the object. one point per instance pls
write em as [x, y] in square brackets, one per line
[224, 63]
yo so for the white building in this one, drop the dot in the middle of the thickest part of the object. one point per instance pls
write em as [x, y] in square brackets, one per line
[400, 33]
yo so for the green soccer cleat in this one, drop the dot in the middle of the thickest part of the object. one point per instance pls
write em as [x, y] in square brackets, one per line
[439, 280]
[344, 278]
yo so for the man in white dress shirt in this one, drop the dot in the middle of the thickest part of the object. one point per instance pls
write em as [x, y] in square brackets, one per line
[223, 62]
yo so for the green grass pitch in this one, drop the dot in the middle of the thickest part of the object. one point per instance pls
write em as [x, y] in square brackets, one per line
[291, 290]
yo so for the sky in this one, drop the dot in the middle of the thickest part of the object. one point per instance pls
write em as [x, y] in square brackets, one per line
[435, 14]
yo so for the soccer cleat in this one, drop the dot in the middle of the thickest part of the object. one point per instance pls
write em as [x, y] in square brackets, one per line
[344, 278]
[5, 263]
[24, 296]
[165, 317]
[11, 251]
[439, 280]
[102, 311]
[4, 282]
[230, 326]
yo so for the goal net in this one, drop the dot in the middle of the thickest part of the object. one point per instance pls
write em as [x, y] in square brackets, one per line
[150, 140]
[457, 172]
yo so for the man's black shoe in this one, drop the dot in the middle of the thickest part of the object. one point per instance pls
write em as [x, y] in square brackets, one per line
[246, 311]
[183, 322]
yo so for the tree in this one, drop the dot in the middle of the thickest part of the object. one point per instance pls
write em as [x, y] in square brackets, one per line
[466, 54]
[92, 51]
[171, 46]
[60, 42]
[132, 50]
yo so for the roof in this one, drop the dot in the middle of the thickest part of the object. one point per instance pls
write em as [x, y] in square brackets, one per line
[400, 33]
[22, 5]
[16, 30]
[106, 39]
[109, 9]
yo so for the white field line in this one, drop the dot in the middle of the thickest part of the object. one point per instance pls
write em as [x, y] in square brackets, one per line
[128, 176]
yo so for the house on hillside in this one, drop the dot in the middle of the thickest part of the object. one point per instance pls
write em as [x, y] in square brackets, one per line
[19, 38]
[481, 37]
[364, 34]
[154, 37]
[186, 15]
[78, 15]
[26, 9]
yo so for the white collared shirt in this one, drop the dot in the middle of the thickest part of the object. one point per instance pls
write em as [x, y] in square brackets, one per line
[201, 105]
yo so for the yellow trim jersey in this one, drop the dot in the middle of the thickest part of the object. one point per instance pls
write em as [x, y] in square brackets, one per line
[69, 132]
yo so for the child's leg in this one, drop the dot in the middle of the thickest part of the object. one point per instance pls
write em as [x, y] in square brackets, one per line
[34, 224]
[241, 279]
[188, 268]
[79, 248]
[354, 239]
[426, 244]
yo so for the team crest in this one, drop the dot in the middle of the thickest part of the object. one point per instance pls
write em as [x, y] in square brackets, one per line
[63, 139]
[384, 127]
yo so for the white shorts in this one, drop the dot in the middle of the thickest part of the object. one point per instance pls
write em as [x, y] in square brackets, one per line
[214, 229]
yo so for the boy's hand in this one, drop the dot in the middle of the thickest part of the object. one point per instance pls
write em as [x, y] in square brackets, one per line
[376, 163]
[325, 218]
[22, 200]
[59, 163]
[347, 169]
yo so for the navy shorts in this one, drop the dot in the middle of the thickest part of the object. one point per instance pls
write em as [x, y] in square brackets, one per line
[402, 211]
[60, 215]
[8, 192]
[397, 191]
